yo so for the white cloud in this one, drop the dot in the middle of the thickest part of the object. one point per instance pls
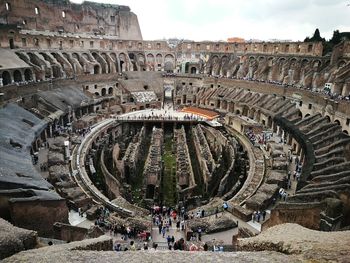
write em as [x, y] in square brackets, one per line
[220, 19]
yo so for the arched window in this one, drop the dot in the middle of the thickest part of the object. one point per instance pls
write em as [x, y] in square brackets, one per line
[6, 78]
[103, 91]
[28, 75]
[17, 76]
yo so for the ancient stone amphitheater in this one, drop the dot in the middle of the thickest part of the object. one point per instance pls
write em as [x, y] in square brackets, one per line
[95, 119]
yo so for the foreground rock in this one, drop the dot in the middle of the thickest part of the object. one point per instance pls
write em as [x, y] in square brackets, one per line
[212, 224]
[295, 239]
[14, 239]
[53, 255]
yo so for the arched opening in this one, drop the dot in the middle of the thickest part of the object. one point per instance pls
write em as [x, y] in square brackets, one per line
[17, 76]
[56, 71]
[28, 75]
[337, 122]
[300, 114]
[6, 78]
[97, 94]
[110, 90]
[121, 65]
[346, 132]
[187, 67]
[307, 115]
[238, 112]
[11, 43]
[168, 66]
[103, 91]
[96, 69]
[193, 70]
[328, 118]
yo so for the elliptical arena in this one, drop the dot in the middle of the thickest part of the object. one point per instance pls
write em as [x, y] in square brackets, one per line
[99, 128]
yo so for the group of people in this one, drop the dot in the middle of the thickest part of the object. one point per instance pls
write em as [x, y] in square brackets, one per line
[257, 216]
[161, 116]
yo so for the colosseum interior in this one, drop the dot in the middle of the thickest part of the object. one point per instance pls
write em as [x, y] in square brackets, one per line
[105, 136]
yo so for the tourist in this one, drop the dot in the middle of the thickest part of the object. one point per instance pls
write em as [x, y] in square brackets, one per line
[145, 246]
[225, 206]
[163, 231]
[177, 225]
[216, 212]
[205, 247]
[253, 216]
[199, 231]
[132, 246]
[117, 247]
[264, 215]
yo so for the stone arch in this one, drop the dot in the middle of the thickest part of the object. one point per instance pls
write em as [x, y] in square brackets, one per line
[123, 62]
[316, 63]
[281, 60]
[87, 57]
[304, 62]
[328, 118]
[103, 64]
[159, 61]
[169, 66]
[97, 93]
[293, 62]
[337, 122]
[110, 90]
[215, 65]
[193, 70]
[6, 78]
[28, 74]
[307, 115]
[17, 76]
[251, 58]
[169, 63]
[103, 92]
[96, 69]
[150, 62]
[346, 132]
[141, 60]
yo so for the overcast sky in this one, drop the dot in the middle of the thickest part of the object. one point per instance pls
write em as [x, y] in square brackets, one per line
[250, 19]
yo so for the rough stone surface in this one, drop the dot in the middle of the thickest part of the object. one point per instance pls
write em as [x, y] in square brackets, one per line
[55, 254]
[139, 211]
[295, 239]
[212, 224]
[14, 239]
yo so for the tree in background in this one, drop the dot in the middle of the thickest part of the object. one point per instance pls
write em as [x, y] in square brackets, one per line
[315, 38]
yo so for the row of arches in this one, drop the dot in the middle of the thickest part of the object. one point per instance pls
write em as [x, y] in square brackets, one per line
[16, 76]
[65, 64]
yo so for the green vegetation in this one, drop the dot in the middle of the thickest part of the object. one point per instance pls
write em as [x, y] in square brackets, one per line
[328, 45]
[169, 176]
